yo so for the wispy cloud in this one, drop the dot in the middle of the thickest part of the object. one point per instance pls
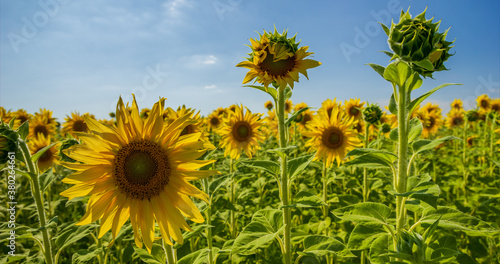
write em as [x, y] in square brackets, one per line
[210, 87]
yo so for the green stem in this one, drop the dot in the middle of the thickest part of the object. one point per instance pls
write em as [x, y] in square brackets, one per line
[208, 215]
[325, 195]
[38, 196]
[365, 171]
[169, 252]
[284, 178]
[492, 138]
[464, 160]
[232, 200]
[401, 178]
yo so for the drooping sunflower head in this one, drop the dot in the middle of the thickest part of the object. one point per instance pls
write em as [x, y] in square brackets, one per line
[269, 105]
[277, 59]
[332, 136]
[455, 118]
[139, 170]
[49, 157]
[40, 126]
[354, 108]
[372, 114]
[457, 104]
[241, 133]
[484, 102]
[73, 124]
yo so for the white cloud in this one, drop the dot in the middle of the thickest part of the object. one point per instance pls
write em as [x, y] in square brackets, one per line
[208, 87]
[210, 59]
[195, 61]
[173, 7]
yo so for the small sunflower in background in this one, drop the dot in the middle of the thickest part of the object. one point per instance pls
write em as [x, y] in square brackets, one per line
[431, 108]
[276, 59]
[214, 121]
[75, 123]
[269, 105]
[328, 105]
[457, 104]
[431, 122]
[483, 102]
[138, 170]
[332, 136]
[354, 108]
[40, 126]
[49, 157]
[195, 127]
[22, 115]
[47, 115]
[455, 118]
[231, 109]
[241, 134]
[472, 141]
[495, 105]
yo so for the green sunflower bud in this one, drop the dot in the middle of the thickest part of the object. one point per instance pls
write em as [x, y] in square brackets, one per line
[418, 42]
[8, 142]
[65, 145]
[472, 115]
[372, 113]
[386, 128]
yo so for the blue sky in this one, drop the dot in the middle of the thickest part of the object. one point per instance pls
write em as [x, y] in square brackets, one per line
[68, 55]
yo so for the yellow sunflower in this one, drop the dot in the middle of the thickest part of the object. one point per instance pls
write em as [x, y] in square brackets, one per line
[145, 113]
[138, 170]
[49, 157]
[47, 115]
[75, 123]
[332, 136]
[22, 116]
[277, 59]
[194, 127]
[269, 105]
[214, 121]
[354, 108]
[455, 118]
[40, 126]
[457, 104]
[430, 108]
[431, 122]
[471, 141]
[328, 105]
[484, 102]
[288, 106]
[495, 105]
[241, 134]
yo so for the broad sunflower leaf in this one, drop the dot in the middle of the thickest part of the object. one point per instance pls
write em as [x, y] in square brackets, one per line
[157, 255]
[415, 129]
[379, 247]
[422, 145]
[421, 187]
[86, 255]
[270, 90]
[393, 107]
[319, 245]
[397, 72]
[23, 130]
[39, 153]
[362, 236]
[443, 248]
[267, 165]
[367, 213]
[378, 68]
[416, 102]
[294, 115]
[371, 158]
[297, 165]
[71, 234]
[266, 225]
[307, 199]
[199, 257]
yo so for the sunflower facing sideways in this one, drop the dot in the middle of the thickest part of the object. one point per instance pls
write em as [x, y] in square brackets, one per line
[277, 59]
[73, 124]
[139, 170]
[49, 157]
[241, 134]
[332, 136]
[354, 108]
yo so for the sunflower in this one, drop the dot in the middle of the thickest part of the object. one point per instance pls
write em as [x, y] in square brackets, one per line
[431, 108]
[495, 105]
[328, 105]
[194, 127]
[332, 136]
[40, 126]
[456, 118]
[270, 124]
[457, 104]
[484, 102]
[269, 105]
[241, 134]
[231, 109]
[354, 108]
[22, 116]
[47, 115]
[214, 121]
[138, 170]
[49, 157]
[75, 123]
[431, 122]
[277, 59]
[288, 106]
[471, 141]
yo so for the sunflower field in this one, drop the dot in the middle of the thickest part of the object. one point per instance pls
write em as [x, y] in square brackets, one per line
[342, 182]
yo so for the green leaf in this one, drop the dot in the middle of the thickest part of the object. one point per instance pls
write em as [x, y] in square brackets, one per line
[199, 257]
[297, 165]
[288, 92]
[282, 152]
[270, 90]
[367, 213]
[397, 72]
[266, 225]
[378, 248]
[307, 199]
[394, 134]
[196, 230]
[371, 158]
[413, 82]
[419, 100]
[85, 255]
[157, 255]
[426, 64]
[294, 115]
[218, 182]
[455, 220]
[378, 68]
[23, 130]
[362, 236]
[384, 154]
[267, 165]
[319, 245]
[415, 129]
[421, 187]
[47, 178]
[393, 107]
[443, 248]
[465, 259]
[422, 145]
[39, 153]
[71, 234]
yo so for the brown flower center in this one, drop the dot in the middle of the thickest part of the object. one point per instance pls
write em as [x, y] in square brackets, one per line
[353, 111]
[41, 129]
[214, 121]
[277, 68]
[188, 130]
[242, 131]
[333, 138]
[80, 126]
[141, 169]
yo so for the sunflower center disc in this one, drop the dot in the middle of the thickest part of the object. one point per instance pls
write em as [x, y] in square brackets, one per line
[242, 131]
[484, 103]
[46, 156]
[214, 121]
[79, 126]
[457, 121]
[277, 68]
[430, 123]
[41, 129]
[187, 130]
[141, 169]
[333, 138]
[353, 111]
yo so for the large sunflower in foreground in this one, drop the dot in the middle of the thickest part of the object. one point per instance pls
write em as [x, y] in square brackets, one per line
[332, 136]
[138, 170]
[277, 59]
[241, 133]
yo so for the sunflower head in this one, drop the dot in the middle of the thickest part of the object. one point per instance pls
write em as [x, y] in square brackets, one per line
[495, 105]
[49, 157]
[456, 118]
[354, 108]
[138, 169]
[471, 141]
[372, 113]
[8, 142]
[472, 115]
[457, 104]
[418, 42]
[214, 121]
[269, 105]
[431, 122]
[241, 133]
[484, 102]
[288, 106]
[276, 59]
[74, 124]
